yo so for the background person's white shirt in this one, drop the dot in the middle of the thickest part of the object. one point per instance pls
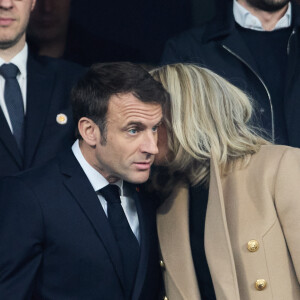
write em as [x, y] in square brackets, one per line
[245, 19]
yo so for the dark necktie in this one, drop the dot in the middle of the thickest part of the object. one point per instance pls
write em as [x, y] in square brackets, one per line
[14, 102]
[127, 242]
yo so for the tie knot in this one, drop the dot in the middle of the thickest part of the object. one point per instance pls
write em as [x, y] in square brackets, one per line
[9, 71]
[111, 193]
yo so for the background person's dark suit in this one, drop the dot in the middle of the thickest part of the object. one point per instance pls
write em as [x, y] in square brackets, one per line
[57, 242]
[49, 82]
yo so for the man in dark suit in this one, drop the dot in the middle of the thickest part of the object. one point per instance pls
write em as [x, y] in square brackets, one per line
[80, 227]
[35, 114]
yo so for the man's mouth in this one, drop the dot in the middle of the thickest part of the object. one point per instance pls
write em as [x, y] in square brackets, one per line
[143, 165]
[6, 21]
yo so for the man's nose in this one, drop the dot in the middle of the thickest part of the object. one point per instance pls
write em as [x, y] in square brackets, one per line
[149, 144]
[6, 4]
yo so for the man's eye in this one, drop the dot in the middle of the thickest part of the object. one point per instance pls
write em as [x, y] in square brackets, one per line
[154, 129]
[132, 131]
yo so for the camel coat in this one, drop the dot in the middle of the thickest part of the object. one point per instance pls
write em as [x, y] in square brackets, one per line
[258, 203]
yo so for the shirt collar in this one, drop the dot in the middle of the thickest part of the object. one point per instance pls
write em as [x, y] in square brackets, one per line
[245, 19]
[20, 60]
[96, 179]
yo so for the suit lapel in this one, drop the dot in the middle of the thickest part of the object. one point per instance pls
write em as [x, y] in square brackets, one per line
[173, 233]
[217, 241]
[40, 82]
[9, 141]
[142, 208]
[79, 186]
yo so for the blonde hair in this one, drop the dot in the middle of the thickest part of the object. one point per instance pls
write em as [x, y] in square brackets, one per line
[207, 115]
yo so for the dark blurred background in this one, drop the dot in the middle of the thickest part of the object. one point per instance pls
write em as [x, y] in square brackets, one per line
[134, 30]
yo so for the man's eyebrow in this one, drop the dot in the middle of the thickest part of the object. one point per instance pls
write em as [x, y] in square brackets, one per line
[137, 124]
[140, 124]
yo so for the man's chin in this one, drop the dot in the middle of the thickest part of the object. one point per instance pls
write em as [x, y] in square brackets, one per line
[6, 44]
[10, 40]
[268, 5]
[140, 178]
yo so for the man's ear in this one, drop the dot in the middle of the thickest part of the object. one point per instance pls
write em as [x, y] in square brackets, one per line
[89, 131]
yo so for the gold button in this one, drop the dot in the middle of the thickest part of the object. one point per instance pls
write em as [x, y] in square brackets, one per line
[165, 298]
[253, 245]
[260, 284]
[162, 264]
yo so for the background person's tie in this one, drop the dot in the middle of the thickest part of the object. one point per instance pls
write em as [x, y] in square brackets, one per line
[128, 244]
[14, 102]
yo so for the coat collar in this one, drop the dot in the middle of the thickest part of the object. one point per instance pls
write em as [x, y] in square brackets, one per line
[295, 14]
[216, 233]
[222, 24]
[173, 226]
[222, 28]
[174, 239]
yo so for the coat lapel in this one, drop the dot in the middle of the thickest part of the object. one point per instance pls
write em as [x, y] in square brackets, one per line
[141, 205]
[9, 141]
[223, 28]
[40, 82]
[79, 186]
[217, 241]
[173, 233]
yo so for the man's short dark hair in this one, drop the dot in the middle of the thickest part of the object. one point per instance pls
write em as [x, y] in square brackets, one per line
[91, 94]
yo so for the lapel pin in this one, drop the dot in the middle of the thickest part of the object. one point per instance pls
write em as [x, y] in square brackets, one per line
[137, 189]
[61, 119]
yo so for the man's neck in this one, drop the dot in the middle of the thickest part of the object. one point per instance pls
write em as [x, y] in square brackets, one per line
[267, 19]
[9, 53]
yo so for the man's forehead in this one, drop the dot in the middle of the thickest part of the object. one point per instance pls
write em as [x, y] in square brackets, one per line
[130, 109]
[129, 103]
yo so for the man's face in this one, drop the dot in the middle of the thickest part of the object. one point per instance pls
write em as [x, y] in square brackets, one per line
[131, 139]
[14, 16]
[49, 19]
[268, 5]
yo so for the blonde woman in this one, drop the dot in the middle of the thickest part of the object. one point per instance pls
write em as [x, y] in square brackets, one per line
[229, 226]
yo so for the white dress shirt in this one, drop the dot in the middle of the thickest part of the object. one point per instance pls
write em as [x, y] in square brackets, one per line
[245, 19]
[98, 182]
[20, 60]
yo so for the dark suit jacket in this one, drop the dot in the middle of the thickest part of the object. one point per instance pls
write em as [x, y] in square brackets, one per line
[49, 82]
[56, 242]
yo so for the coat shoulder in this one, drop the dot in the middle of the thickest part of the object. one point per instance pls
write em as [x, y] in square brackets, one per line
[270, 158]
[271, 152]
[180, 47]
